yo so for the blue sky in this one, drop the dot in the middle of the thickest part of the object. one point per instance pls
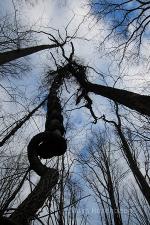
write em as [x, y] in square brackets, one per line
[47, 13]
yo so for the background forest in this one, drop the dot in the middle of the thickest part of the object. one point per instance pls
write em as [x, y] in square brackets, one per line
[74, 112]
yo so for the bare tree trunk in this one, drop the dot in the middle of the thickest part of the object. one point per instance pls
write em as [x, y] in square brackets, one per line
[103, 175]
[140, 103]
[140, 179]
[116, 211]
[142, 183]
[6, 57]
[29, 207]
[46, 144]
[61, 198]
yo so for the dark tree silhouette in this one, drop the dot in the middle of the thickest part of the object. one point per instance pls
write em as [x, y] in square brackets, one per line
[51, 142]
[139, 177]
[103, 175]
[47, 144]
[6, 57]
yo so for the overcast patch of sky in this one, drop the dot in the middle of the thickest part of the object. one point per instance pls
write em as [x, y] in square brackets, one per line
[47, 13]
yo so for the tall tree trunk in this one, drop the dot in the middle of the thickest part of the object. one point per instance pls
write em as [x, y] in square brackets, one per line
[140, 179]
[46, 144]
[116, 211]
[142, 183]
[6, 57]
[35, 200]
[140, 103]
[61, 198]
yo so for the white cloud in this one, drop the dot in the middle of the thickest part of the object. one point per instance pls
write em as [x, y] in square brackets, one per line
[49, 13]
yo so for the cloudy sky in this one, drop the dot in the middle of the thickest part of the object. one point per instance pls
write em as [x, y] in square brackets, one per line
[48, 15]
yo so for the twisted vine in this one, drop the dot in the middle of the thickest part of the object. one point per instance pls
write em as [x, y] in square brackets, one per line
[51, 142]
[46, 145]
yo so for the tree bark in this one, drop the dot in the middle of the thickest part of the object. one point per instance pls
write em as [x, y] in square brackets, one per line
[8, 56]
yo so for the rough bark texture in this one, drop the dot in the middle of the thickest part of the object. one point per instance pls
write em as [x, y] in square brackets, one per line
[6, 57]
